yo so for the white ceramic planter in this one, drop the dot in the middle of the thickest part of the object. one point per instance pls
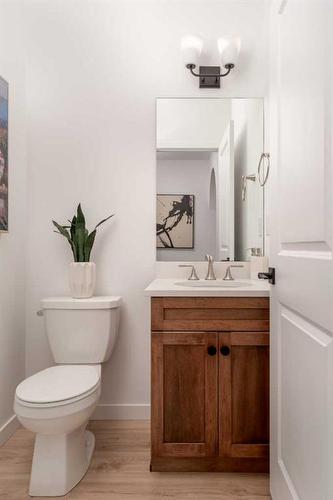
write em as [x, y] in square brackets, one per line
[82, 279]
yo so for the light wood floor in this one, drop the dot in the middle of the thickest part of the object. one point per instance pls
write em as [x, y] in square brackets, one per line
[120, 470]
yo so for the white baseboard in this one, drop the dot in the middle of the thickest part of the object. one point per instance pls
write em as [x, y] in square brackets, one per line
[122, 412]
[8, 429]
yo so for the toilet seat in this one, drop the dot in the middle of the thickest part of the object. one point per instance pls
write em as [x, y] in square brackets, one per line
[59, 385]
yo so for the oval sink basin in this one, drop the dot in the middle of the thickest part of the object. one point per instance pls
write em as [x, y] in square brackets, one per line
[213, 284]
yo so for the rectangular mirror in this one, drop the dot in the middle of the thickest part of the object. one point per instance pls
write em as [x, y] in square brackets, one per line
[208, 195]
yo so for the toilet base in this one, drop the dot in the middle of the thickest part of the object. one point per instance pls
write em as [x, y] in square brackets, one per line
[60, 462]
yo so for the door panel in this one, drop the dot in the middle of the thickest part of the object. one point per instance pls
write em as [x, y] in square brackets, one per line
[302, 408]
[302, 116]
[184, 370]
[184, 394]
[301, 250]
[249, 373]
[244, 394]
[304, 173]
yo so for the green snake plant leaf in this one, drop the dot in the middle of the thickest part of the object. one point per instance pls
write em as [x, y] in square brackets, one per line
[80, 233]
[73, 223]
[104, 220]
[74, 239]
[63, 231]
[80, 220]
[89, 244]
[80, 239]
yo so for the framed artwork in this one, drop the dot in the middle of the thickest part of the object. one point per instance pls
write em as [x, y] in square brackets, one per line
[175, 221]
[3, 155]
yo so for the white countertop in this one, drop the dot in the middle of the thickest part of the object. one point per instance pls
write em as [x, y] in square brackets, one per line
[163, 287]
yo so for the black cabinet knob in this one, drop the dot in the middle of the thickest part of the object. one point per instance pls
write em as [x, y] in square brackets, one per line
[225, 350]
[211, 349]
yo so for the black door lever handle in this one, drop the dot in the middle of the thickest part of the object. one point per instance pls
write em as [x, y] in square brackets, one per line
[270, 276]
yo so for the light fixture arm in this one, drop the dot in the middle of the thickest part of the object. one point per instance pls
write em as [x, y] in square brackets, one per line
[228, 67]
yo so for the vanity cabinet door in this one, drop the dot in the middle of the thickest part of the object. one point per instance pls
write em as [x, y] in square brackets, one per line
[244, 394]
[184, 394]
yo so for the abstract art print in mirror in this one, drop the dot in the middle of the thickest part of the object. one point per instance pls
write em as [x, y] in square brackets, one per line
[3, 155]
[175, 221]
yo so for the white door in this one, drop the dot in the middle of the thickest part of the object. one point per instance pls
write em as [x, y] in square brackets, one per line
[225, 205]
[301, 251]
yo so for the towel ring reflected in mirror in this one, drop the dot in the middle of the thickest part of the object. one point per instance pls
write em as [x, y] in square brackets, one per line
[262, 175]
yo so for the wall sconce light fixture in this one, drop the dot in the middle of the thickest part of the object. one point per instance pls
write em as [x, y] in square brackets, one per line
[210, 76]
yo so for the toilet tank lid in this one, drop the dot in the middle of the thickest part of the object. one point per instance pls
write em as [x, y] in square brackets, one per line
[91, 303]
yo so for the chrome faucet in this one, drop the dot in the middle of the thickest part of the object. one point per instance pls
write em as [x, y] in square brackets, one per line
[193, 275]
[210, 272]
[228, 275]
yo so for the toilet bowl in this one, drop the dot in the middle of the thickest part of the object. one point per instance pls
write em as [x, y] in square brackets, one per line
[57, 403]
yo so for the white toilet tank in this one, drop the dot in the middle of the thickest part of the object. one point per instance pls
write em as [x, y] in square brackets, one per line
[81, 331]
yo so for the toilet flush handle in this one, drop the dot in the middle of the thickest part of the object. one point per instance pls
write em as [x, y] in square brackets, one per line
[40, 312]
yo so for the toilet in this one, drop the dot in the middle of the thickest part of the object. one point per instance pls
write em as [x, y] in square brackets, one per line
[57, 403]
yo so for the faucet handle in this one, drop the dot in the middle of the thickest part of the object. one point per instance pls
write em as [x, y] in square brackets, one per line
[228, 275]
[193, 275]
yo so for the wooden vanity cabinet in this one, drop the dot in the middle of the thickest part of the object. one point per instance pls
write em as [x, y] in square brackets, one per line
[210, 384]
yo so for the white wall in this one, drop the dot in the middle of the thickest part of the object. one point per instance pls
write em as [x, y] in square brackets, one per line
[189, 173]
[13, 244]
[94, 69]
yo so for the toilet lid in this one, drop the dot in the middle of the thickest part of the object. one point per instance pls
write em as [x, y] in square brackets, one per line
[59, 383]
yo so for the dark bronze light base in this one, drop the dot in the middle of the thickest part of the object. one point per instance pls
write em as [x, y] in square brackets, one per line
[207, 80]
[210, 76]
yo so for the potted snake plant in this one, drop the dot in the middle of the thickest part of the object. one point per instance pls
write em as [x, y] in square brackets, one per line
[82, 272]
